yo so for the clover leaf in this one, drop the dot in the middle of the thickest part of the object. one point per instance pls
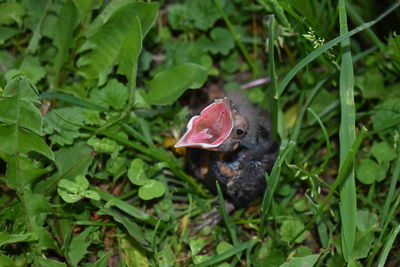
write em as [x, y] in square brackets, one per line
[136, 172]
[73, 191]
[151, 189]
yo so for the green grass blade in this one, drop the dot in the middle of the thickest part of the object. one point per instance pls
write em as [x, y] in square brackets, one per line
[322, 226]
[278, 11]
[222, 210]
[347, 135]
[343, 171]
[273, 77]
[72, 100]
[313, 93]
[131, 227]
[124, 206]
[271, 187]
[388, 245]
[377, 244]
[227, 254]
[299, 121]
[327, 141]
[390, 195]
[320, 50]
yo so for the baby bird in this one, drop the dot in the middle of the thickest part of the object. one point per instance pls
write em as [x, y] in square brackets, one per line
[230, 142]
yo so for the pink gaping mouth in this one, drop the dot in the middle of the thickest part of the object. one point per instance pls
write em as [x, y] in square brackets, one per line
[211, 128]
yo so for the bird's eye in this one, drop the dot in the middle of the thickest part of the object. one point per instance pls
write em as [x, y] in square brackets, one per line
[239, 132]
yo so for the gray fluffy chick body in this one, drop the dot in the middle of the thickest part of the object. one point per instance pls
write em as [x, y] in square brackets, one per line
[240, 173]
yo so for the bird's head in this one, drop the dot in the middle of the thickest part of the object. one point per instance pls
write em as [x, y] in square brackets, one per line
[219, 127]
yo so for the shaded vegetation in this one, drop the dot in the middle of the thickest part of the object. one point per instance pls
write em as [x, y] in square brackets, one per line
[95, 93]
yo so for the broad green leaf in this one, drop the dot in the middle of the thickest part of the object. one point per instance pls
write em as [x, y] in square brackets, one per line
[151, 189]
[193, 14]
[303, 251]
[136, 172]
[135, 256]
[62, 124]
[70, 186]
[6, 261]
[82, 182]
[70, 162]
[69, 191]
[164, 209]
[386, 113]
[308, 261]
[221, 42]
[72, 191]
[301, 205]
[170, 84]
[130, 51]
[383, 152]
[36, 207]
[203, 13]
[86, 7]
[91, 194]
[274, 259]
[178, 52]
[199, 259]
[6, 33]
[230, 65]
[77, 249]
[93, 118]
[362, 244]
[104, 145]
[30, 68]
[178, 17]
[11, 12]
[106, 43]
[21, 121]
[290, 229]
[223, 247]
[114, 94]
[7, 60]
[196, 245]
[68, 196]
[366, 220]
[114, 6]
[368, 171]
[6, 238]
[166, 258]
[132, 228]
[371, 84]
[139, 102]
[37, 11]
[116, 166]
[22, 172]
[67, 21]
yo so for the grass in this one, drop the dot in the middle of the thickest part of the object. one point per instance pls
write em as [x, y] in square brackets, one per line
[347, 135]
[97, 102]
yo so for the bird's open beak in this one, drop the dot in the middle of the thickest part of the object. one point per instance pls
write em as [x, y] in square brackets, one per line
[211, 128]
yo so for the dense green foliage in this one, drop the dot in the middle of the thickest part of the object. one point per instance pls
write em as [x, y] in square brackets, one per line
[89, 108]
